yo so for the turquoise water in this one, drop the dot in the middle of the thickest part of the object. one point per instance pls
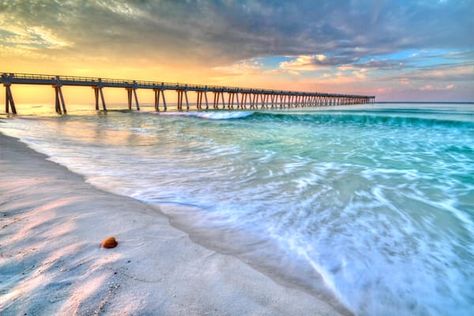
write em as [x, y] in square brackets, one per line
[372, 206]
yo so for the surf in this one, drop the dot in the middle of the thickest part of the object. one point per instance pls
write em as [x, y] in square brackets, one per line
[339, 203]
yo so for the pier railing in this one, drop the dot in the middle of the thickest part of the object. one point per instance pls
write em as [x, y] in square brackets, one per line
[237, 98]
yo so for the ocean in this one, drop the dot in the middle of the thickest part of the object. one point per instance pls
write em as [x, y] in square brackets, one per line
[371, 205]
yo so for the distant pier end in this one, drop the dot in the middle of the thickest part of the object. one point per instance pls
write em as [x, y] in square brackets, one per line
[220, 98]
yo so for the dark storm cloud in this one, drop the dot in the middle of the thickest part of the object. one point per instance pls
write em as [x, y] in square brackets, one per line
[215, 32]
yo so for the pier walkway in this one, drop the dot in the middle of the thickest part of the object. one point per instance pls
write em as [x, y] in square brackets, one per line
[207, 97]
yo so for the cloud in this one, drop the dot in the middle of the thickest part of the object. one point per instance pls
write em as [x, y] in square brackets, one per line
[243, 67]
[304, 63]
[438, 73]
[218, 32]
[32, 37]
[343, 63]
[431, 87]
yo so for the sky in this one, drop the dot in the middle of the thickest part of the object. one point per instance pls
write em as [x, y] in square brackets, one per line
[416, 50]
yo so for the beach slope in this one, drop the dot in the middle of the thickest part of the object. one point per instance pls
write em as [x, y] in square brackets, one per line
[51, 225]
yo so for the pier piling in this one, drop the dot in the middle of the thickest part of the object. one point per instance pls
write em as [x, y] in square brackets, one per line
[60, 105]
[9, 102]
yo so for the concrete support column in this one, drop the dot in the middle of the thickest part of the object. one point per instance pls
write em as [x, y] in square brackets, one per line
[60, 105]
[9, 102]
[99, 93]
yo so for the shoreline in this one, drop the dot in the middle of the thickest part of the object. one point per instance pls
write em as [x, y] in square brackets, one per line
[52, 222]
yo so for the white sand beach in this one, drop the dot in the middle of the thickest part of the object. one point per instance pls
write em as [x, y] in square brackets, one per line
[51, 225]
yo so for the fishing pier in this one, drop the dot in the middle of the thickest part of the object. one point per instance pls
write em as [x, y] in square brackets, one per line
[207, 97]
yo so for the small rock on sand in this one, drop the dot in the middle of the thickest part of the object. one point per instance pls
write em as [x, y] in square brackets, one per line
[109, 242]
